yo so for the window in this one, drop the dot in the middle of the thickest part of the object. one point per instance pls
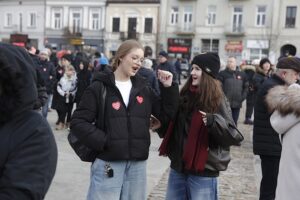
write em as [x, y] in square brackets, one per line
[210, 45]
[8, 19]
[116, 24]
[76, 22]
[260, 15]
[290, 19]
[237, 19]
[148, 25]
[258, 53]
[95, 19]
[57, 18]
[187, 18]
[174, 16]
[211, 15]
[32, 20]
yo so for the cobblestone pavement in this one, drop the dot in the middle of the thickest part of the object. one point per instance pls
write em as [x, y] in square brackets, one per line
[238, 182]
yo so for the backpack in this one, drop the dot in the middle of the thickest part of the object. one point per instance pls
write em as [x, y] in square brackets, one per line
[85, 153]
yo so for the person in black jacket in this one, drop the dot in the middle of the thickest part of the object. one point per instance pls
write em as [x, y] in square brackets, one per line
[28, 152]
[235, 86]
[83, 78]
[191, 138]
[164, 64]
[266, 142]
[122, 144]
[147, 72]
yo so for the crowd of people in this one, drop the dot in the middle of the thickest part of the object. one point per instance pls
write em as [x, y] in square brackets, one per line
[118, 102]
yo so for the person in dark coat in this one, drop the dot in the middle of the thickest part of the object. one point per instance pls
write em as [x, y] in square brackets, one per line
[266, 142]
[41, 86]
[122, 144]
[235, 86]
[164, 64]
[250, 100]
[83, 79]
[28, 152]
[263, 72]
[147, 72]
[192, 137]
[47, 71]
[178, 69]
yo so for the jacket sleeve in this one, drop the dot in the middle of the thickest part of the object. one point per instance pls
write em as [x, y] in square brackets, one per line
[169, 106]
[245, 86]
[222, 128]
[30, 165]
[84, 118]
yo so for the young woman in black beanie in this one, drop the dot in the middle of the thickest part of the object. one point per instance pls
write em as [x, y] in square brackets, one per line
[198, 138]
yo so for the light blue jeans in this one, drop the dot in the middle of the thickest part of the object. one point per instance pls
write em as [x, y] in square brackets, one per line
[186, 186]
[128, 183]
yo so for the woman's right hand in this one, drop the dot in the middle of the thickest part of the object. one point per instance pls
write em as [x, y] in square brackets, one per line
[165, 77]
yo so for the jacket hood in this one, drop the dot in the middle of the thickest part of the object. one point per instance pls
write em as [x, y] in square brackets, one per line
[18, 81]
[248, 67]
[284, 99]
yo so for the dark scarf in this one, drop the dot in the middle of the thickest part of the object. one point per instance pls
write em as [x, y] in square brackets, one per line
[196, 147]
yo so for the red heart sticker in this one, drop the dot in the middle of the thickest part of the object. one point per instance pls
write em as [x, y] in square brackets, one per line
[116, 105]
[139, 99]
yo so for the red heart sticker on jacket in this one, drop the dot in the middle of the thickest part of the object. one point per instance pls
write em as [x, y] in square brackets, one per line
[116, 105]
[139, 99]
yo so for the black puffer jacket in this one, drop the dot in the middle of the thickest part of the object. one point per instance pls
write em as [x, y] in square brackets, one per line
[235, 86]
[28, 152]
[265, 139]
[126, 134]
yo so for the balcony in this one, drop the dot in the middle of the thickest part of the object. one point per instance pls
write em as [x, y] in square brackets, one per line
[185, 30]
[237, 31]
[129, 35]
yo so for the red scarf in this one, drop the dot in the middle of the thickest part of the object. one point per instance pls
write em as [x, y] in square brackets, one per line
[196, 147]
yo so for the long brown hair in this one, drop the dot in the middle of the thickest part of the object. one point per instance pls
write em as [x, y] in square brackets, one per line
[208, 95]
[123, 50]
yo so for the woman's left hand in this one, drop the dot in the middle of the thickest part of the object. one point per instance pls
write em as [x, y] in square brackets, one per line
[165, 77]
[203, 117]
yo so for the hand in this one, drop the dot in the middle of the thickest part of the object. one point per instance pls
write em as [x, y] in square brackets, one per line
[203, 117]
[165, 77]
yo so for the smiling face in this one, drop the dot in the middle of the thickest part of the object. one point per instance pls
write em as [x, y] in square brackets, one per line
[196, 74]
[131, 63]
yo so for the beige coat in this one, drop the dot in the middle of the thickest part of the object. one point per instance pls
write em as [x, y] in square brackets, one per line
[285, 102]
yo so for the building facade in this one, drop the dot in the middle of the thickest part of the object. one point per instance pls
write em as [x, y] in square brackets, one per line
[246, 29]
[132, 19]
[22, 22]
[75, 25]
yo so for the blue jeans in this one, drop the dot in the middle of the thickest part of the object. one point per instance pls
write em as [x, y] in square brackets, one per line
[45, 108]
[186, 186]
[128, 183]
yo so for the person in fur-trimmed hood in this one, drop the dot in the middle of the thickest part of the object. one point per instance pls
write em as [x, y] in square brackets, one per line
[286, 122]
[266, 143]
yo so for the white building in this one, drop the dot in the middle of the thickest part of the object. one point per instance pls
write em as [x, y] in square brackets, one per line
[24, 20]
[247, 29]
[75, 24]
[132, 19]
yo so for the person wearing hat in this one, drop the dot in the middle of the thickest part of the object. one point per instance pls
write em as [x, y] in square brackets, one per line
[235, 86]
[47, 72]
[165, 65]
[266, 142]
[191, 138]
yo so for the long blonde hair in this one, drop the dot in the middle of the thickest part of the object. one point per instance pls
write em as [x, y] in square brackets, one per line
[123, 50]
